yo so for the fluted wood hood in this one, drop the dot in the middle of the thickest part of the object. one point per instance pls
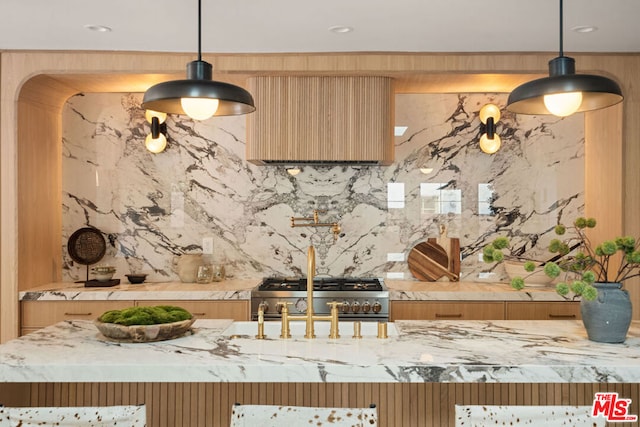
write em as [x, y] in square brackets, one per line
[321, 119]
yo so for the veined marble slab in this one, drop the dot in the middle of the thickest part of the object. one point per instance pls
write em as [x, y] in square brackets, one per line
[152, 207]
[224, 290]
[555, 351]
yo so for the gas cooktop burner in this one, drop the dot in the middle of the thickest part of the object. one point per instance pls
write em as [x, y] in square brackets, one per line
[321, 284]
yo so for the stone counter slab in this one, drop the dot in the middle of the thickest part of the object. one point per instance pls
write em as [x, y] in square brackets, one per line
[241, 290]
[225, 290]
[425, 351]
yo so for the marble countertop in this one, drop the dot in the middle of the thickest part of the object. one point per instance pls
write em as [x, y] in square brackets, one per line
[551, 351]
[399, 290]
[411, 290]
[64, 291]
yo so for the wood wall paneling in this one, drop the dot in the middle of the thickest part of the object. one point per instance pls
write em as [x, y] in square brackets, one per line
[123, 71]
[321, 118]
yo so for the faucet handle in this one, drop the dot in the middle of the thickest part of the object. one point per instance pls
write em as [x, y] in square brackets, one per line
[334, 333]
[334, 305]
[283, 306]
[284, 320]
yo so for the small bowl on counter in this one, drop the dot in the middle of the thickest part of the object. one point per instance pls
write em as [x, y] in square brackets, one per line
[104, 273]
[536, 278]
[136, 278]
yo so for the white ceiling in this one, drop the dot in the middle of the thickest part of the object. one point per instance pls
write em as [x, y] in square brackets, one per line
[255, 26]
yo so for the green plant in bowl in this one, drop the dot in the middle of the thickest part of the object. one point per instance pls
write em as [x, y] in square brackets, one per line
[582, 262]
[145, 324]
[146, 315]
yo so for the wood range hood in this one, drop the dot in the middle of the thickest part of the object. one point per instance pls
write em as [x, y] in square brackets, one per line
[321, 120]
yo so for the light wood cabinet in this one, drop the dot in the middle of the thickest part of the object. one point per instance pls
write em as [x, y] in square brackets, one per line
[484, 310]
[236, 310]
[542, 310]
[447, 310]
[38, 314]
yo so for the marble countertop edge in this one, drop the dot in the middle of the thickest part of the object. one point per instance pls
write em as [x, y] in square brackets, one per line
[240, 289]
[554, 351]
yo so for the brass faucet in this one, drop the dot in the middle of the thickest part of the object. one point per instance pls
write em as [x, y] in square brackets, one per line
[310, 316]
[261, 335]
[314, 221]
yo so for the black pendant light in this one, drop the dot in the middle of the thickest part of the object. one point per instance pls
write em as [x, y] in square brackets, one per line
[565, 91]
[198, 96]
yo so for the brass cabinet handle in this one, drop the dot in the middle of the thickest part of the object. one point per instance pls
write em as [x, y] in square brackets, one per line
[450, 316]
[562, 316]
[199, 314]
[78, 314]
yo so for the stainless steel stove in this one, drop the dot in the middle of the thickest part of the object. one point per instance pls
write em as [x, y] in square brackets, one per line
[365, 299]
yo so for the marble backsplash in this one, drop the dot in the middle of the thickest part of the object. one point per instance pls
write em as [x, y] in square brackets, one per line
[153, 207]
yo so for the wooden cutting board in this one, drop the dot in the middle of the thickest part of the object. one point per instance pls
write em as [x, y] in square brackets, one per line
[451, 245]
[428, 261]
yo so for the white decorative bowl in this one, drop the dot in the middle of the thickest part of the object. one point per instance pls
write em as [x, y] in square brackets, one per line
[536, 278]
[103, 277]
[103, 273]
[144, 333]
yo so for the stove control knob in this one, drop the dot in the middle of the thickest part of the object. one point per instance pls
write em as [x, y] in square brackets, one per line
[345, 307]
[366, 307]
[355, 307]
[301, 305]
[376, 307]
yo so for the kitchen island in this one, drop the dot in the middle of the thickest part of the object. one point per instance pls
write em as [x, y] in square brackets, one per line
[415, 378]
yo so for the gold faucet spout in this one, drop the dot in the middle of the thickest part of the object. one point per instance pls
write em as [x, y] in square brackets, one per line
[311, 269]
[309, 316]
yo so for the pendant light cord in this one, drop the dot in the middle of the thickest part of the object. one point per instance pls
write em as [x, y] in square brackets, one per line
[200, 29]
[561, 25]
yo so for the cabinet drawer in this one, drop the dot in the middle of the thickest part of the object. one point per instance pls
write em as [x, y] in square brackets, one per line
[236, 310]
[38, 314]
[543, 310]
[447, 310]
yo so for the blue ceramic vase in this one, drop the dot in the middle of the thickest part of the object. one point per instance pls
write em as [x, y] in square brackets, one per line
[607, 318]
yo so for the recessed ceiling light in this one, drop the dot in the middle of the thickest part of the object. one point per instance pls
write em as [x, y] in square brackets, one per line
[584, 29]
[97, 28]
[340, 29]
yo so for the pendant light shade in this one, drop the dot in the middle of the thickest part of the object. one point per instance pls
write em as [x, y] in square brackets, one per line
[564, 92]
[198, 95]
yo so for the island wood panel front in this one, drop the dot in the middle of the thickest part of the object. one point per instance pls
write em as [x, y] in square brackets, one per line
[399, 404]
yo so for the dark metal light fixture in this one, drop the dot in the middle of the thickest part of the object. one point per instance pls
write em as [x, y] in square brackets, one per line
[156, 141]
[198, 96]
[564, 92]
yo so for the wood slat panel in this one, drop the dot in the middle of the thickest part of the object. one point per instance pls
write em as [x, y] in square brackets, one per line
[321, 118]
[399, 404]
